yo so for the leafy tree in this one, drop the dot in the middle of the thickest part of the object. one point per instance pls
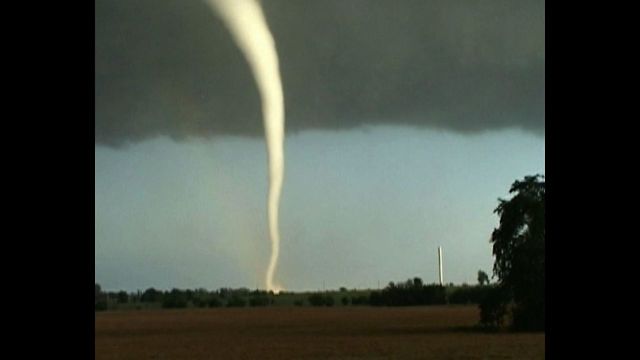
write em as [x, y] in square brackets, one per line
[329, 300]
[410, 293]
[519, 250]
[174, 299]
[189, 295]
[101, 305]
[375, 299]
[468, 294]
[214, 302]
[259, 300]
[493, 307]
[100, 299]
[122, 297]
[200, 297]
[316, 299]
[363, 299]
[135, 297]
[151, 295]
[236, 301]
[483, 278]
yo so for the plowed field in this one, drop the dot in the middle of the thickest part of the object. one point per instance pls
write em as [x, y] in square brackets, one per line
[433, 332]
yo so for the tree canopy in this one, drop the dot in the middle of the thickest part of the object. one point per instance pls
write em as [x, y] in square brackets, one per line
[483, 278]
[519, 250]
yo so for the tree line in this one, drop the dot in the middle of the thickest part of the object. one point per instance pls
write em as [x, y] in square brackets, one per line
[179, 298]
[411, 292]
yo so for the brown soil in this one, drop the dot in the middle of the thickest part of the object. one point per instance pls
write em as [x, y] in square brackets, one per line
[435, 332]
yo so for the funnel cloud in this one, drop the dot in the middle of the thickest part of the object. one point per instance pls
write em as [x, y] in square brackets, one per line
[249, 29]
[170, 68]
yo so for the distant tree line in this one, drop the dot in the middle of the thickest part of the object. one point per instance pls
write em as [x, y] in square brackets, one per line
[320, 299]
[410, 293]
[178, 298]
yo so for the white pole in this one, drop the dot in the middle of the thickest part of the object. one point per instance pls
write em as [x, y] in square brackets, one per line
[440, 264]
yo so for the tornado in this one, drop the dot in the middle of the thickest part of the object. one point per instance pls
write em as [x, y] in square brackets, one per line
[249, 30]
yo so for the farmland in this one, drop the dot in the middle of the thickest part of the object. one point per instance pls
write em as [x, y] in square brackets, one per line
[425, 332]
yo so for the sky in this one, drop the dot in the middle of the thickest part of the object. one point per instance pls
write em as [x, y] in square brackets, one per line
[406, 121]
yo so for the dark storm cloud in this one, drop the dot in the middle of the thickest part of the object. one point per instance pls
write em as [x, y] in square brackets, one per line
[169, 67]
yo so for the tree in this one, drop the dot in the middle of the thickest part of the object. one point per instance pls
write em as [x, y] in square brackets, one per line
[259, 300]
[123, 297]
[100, 299]
[519, 250]
[151, 295]
[236, 301]
[329, 300]
[214, 302]
[316, 299]
[174, 299]
[483, 278]
[493, 307]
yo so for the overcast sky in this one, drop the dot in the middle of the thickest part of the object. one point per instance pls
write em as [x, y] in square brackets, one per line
[406, 120]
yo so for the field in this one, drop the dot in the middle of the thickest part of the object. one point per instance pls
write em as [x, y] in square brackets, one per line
[430, 332]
